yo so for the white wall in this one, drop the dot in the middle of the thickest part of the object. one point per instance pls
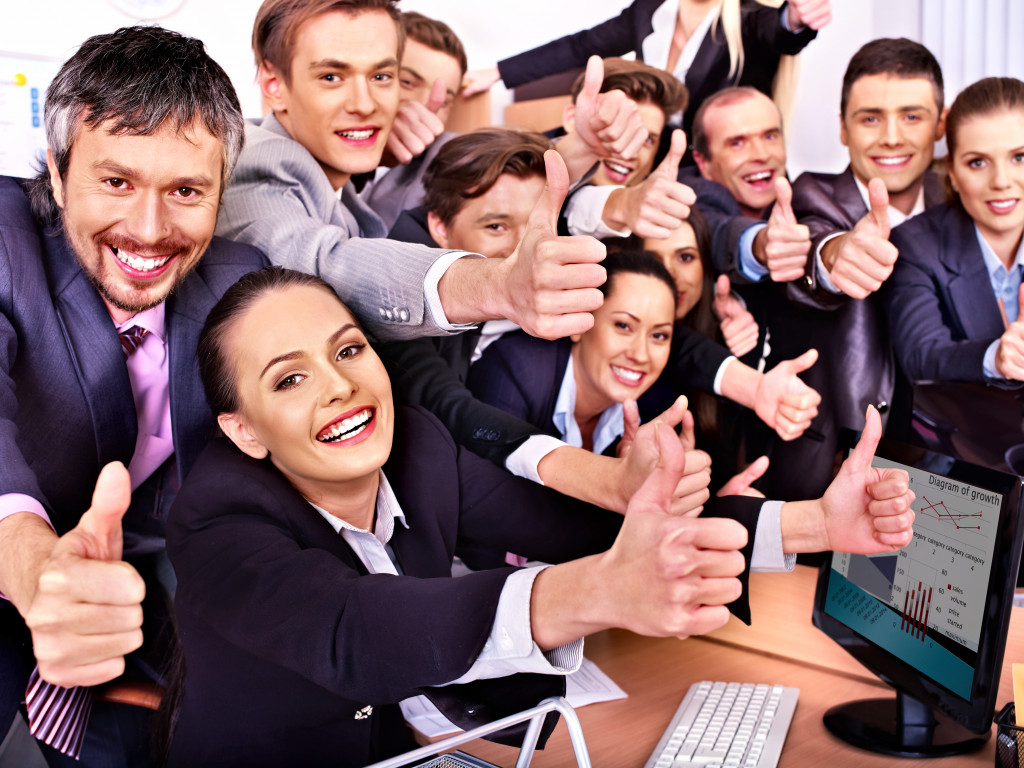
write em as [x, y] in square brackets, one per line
[490, 30]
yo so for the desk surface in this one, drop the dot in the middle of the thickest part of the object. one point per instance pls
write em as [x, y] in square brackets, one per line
[656, 672]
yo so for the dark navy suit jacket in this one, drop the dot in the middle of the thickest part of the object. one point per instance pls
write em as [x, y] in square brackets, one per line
[764, 41]
[287, 637]
[66, 405]
[942, 311]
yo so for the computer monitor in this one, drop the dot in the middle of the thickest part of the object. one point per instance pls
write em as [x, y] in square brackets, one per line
[929, 619]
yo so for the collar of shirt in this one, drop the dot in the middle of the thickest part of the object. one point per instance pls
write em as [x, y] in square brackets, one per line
[152, 320]
[1005, 282]
[896, 216]
[371, 546]
[610, 425]
[656, 46]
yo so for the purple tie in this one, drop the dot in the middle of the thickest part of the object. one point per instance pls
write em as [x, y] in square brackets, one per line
[58, 716]
[131, 338]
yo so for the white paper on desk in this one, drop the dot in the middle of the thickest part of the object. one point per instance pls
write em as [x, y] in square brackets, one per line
[587, 685]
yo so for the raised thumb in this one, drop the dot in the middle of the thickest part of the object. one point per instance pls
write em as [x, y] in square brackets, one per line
[545, 213]
[878, 196]
[102, 521]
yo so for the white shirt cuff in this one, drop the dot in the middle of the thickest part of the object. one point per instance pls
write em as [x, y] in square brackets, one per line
[767, 555]
[430, 293]
[988, 365]
[824, 279]
[524, 460]
[749, 266]
[584, 213]
[720, 374]
[510, 647]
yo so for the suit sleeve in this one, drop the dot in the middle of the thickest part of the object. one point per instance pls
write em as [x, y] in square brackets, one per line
[695, 359]
[921, 335]
[763, 31]
[815, 206]
[518, 390]
[420, 376]
[280, 201]
[614, 37]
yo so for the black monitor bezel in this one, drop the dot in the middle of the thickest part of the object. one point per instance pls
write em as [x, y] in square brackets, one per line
[977, 713]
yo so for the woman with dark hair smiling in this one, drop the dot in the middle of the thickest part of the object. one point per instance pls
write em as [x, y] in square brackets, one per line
[313, 550]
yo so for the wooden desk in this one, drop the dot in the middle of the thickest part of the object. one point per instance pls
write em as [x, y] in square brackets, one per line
[782, 647]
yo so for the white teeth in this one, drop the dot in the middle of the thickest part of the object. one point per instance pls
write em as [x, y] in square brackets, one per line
[1002, 205]
[348, 428]
[619, 169]
[759, 176]
[892, 160]
[357, 135]
[626, 373]
[138, 263]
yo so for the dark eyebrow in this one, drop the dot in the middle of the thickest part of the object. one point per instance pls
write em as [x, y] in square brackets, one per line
[122, 171]
[296, 354]
[412, 72]
[492, 217]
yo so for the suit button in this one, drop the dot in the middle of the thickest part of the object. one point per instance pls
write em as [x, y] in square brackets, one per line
[362, 714]
[383, 313]
[403, 315]
[482, 433]
[808, 281]
[882, 407]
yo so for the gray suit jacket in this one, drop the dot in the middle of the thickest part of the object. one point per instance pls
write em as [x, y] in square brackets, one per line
[280, 201]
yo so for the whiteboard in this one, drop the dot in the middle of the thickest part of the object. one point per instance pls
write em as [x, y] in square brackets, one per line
[23, 82]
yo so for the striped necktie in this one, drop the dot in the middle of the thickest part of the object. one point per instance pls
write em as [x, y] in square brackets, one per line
[58, 716]
[131, 338]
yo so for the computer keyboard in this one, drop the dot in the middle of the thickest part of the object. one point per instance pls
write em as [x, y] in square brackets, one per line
[727, 725]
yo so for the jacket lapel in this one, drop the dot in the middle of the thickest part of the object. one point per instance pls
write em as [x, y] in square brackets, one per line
[95, 352]
[848, 196]
[970, 289]
[191, 419]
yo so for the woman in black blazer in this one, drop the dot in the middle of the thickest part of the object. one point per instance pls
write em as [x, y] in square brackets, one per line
[742, 45]
[313, 550]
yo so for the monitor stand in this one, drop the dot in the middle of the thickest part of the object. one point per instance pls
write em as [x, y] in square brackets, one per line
[901, 726]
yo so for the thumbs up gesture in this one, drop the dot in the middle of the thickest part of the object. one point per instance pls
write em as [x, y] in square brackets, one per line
[87, 613]
[783, 245]
[739, 329]
[671, 574]
[549, 284]
[862, 259]
[417, 125]
[1010, 352]
[867, 510]
[608, 123]
[659, 204]
[783, 401]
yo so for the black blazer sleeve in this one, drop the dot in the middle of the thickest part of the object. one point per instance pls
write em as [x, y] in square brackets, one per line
[614, 37]
[695, 359]
[421, 376]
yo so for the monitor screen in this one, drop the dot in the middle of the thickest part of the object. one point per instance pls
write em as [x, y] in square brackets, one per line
[931, 618]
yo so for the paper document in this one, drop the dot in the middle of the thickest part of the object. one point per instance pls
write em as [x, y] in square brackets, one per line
[585, 686]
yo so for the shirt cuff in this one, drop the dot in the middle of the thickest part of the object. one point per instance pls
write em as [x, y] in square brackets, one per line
[988, 365]
[720, 374]
[430, 293]
[767, 555]
[12, 503]
[824, 278]
[584, 214]
[510, 647]
[524, 460]
[749, 266]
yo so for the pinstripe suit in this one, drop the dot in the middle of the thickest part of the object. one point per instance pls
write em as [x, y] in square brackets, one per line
[280, 201]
